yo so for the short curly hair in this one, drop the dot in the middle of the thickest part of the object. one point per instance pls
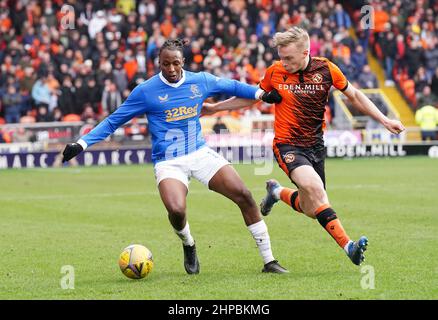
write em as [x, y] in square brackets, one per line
[174, 44]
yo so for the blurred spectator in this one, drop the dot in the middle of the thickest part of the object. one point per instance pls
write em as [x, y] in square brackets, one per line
[41, 92]
[315, 45]
[57, 114]
[81, 96]
[340, 17]
[135, 130]
[94, 94]
[340, 51]
[111, 98]
[420, 79]
[212, 60]
[434, 83]
[359, 58]
[266, 23]
[22, 135]
[125, 6]
[28, 117]
[389, 49]
[88, 115]
[97, 23]
[67, 102]
[431, 57]
[43, 115]
[427, 118]
[367, 79]
[426, 97]
[413, 56]
[401, 53]
[27, 82]
[120, 77]
[381, 17]
[219, 126]
[11, 102]
[348, 68]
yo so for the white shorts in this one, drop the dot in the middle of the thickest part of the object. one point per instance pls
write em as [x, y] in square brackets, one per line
[201, 164]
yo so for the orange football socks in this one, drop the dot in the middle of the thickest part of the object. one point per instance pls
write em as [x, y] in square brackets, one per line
[290, 196]
[329, 221]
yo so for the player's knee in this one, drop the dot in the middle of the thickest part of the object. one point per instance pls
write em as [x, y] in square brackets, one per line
[176, 209]
[244, 197]
[314, 191]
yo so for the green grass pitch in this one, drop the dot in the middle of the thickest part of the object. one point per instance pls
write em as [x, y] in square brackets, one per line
[84, 217]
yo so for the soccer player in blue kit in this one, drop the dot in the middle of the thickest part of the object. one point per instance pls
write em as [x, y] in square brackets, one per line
[172, 102]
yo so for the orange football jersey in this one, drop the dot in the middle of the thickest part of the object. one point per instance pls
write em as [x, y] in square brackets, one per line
[299, 117]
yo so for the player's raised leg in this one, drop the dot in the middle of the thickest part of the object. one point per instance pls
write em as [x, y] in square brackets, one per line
[276, 192]
[227, 182]
[315, 204]
[173, 194]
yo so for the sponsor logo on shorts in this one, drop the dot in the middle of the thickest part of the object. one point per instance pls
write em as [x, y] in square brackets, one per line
[289, 157]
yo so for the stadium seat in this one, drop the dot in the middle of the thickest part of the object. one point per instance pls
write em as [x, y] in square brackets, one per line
[71, 118]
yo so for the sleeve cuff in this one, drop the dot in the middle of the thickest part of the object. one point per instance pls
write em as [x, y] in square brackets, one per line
[83, 144]
[344, 88]
[259, 93]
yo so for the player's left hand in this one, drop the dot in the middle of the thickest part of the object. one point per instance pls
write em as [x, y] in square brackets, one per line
[271, 97]
[208, 109]
[394, 126]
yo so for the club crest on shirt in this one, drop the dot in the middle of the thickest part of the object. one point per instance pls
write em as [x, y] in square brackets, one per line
[317, 78]
[164, 99]
[289, 157]
[195, 90]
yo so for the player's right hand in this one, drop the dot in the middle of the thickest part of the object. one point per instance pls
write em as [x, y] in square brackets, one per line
[71, 150]
[271, 97]
[394, 126]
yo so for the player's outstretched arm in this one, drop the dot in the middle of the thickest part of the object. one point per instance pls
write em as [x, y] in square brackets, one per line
[232, 103]
[362, 103]
[216, 85]
[134, 105]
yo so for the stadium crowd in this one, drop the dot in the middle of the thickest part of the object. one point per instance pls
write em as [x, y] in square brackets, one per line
[405, 39]
[52, 70]
[78, 60]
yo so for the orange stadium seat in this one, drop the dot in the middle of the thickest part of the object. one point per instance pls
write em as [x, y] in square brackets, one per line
[71, 118]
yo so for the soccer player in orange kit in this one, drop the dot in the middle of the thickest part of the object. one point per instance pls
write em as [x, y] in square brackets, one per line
[303, 82]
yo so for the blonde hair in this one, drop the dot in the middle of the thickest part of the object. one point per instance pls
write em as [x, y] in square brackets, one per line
[293, 35]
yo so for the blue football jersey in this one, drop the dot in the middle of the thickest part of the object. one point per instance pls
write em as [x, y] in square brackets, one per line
[172, 110]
